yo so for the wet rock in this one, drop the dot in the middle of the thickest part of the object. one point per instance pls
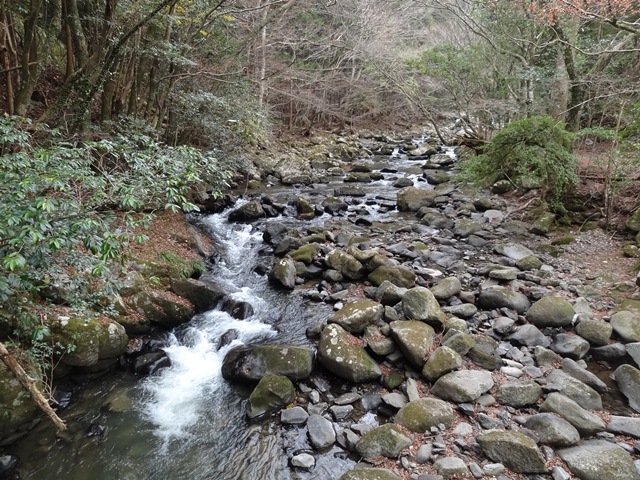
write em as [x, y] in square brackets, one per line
[321, 432]
[420, 304]
[550, 311]
[149, 363]
[386, 441]
[294, 416]
[579, 392]
[450, 467]
[585, 422]
[443, 360]
[572, 346]
[247, 212]
[553, 430]
[421, 415]
[342, 354]
[463, 386]
[503, 297]
[411, 199]
[400, 276]
[355, 316]
[236, 308]
[283, 273]
[304, 209]
[518, 394]
[271, 393]
[628, 380]
[516, 451]
[596, 332]
[600, 460]
[446, 288]
[274, 232]
[303, 460]
[203, 293]
[334, 205]
[626, 326]
[306, 253]
[370, 474]
[414, 339]
[403, 182]
[250, 364]
[346, 264]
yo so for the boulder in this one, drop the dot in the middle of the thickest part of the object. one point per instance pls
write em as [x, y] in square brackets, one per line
[628, 380]
[600, 460]
[411, 199]
[514, 251]
[596, 332]
[466, 227]
[17, 408]
[384, 441]
[334, 205]
[162, 307]
[502, 297]
[421, 415]
[633, 223]
[355, 316]
[579, 392]
[572, 346]
[624, 426]
[306, 253]
[370, 474]
[92, 341]
[402, 277]
[443, 360]
[584, 375]
[346, 264]
[514, 450]
[389, 293]
[553, 430]
[518, 394]
[321, 432]
[250, 364]
[203, 293]
[446, 288]
[529, 336]
[272, 392]
[450, 467]
[483, 352]
[528, 263]
[414, 339]
[586, 423]
[463, 386]
[377, 342]
[283, 273]
[343, 355]
[460, 342]
[420, 304]
[550, 311]
[247, 212]
[626, 326]
[543, 224]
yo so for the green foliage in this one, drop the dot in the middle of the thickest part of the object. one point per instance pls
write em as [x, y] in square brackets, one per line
[68, 199]
[188, 268]
[537, 147]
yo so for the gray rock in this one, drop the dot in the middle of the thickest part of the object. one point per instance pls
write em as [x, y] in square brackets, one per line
[463, 386]
[395, 400]
[340, 412]
[303, 460]
[586, 423]
[579, 392]
[633, 349]
[550, 311]
[528, 263]
[420, 304]
[341, 353]
[348, 439]
[483, 352]
[518, 394]
[355, 316]
[466, 227]
[414, 339]
[377, 342]
[624, 426]
[584, 375]
[370, 474]
[460, 342]
[412, 199]
[387, 441]
[450, 466]
[446, 288]
[321, 432]
[502, 297]
[628, 380]
[247, 212]
[529, 336]
[600, 460]
[424, 453]
[543, 224]
[443, 360]
[626, 325]
[421, 415]
[400, 276]
[250, 364]
[514, 251]
[294, 416]
[516, 451]
[597, 332]
[553, 430]
[272, 392]
[572, 346]
[346, 264]
[389, 293]
[504, 274]
[283, 273]
[463, 310]
[503, 325]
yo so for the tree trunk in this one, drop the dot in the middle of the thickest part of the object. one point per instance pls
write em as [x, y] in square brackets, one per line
[30, 385]
[5, 48]
[558, 103]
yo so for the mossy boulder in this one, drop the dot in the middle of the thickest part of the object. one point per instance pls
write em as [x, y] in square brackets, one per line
[626, 326]
[600, 460]
[400, 276]
[346, 264]
[17, 409]
[411, 199]
[247, 212]
[420, 415]
[305, 209]
[503, 297]
[420, 304]
[596, 332]
[446, 288]
[516, 451]
[355, 316]
[633, 223]
[283, 273]
[370, 474]
[550, 311]
[271, 393]
[518, 394]
[543, 224]
[91, 340]
[414, 339]
[162, 307]
[384, 441]
[463, 386]
[530, 262]
[251, 364]
[306, 253]
[343, 355]
[443, 360]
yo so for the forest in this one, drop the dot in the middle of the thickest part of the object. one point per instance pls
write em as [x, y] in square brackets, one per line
[114, 110]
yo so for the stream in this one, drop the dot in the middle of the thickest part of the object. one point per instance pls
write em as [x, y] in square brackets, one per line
[187, 422]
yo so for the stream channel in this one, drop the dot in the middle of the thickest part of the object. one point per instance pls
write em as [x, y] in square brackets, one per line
[186, 421]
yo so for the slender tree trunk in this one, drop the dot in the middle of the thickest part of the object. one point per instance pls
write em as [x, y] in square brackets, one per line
[263, 55]
[5, 49]
[558, 103]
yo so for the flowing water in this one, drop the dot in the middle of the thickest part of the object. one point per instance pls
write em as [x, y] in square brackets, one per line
[186, 422]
